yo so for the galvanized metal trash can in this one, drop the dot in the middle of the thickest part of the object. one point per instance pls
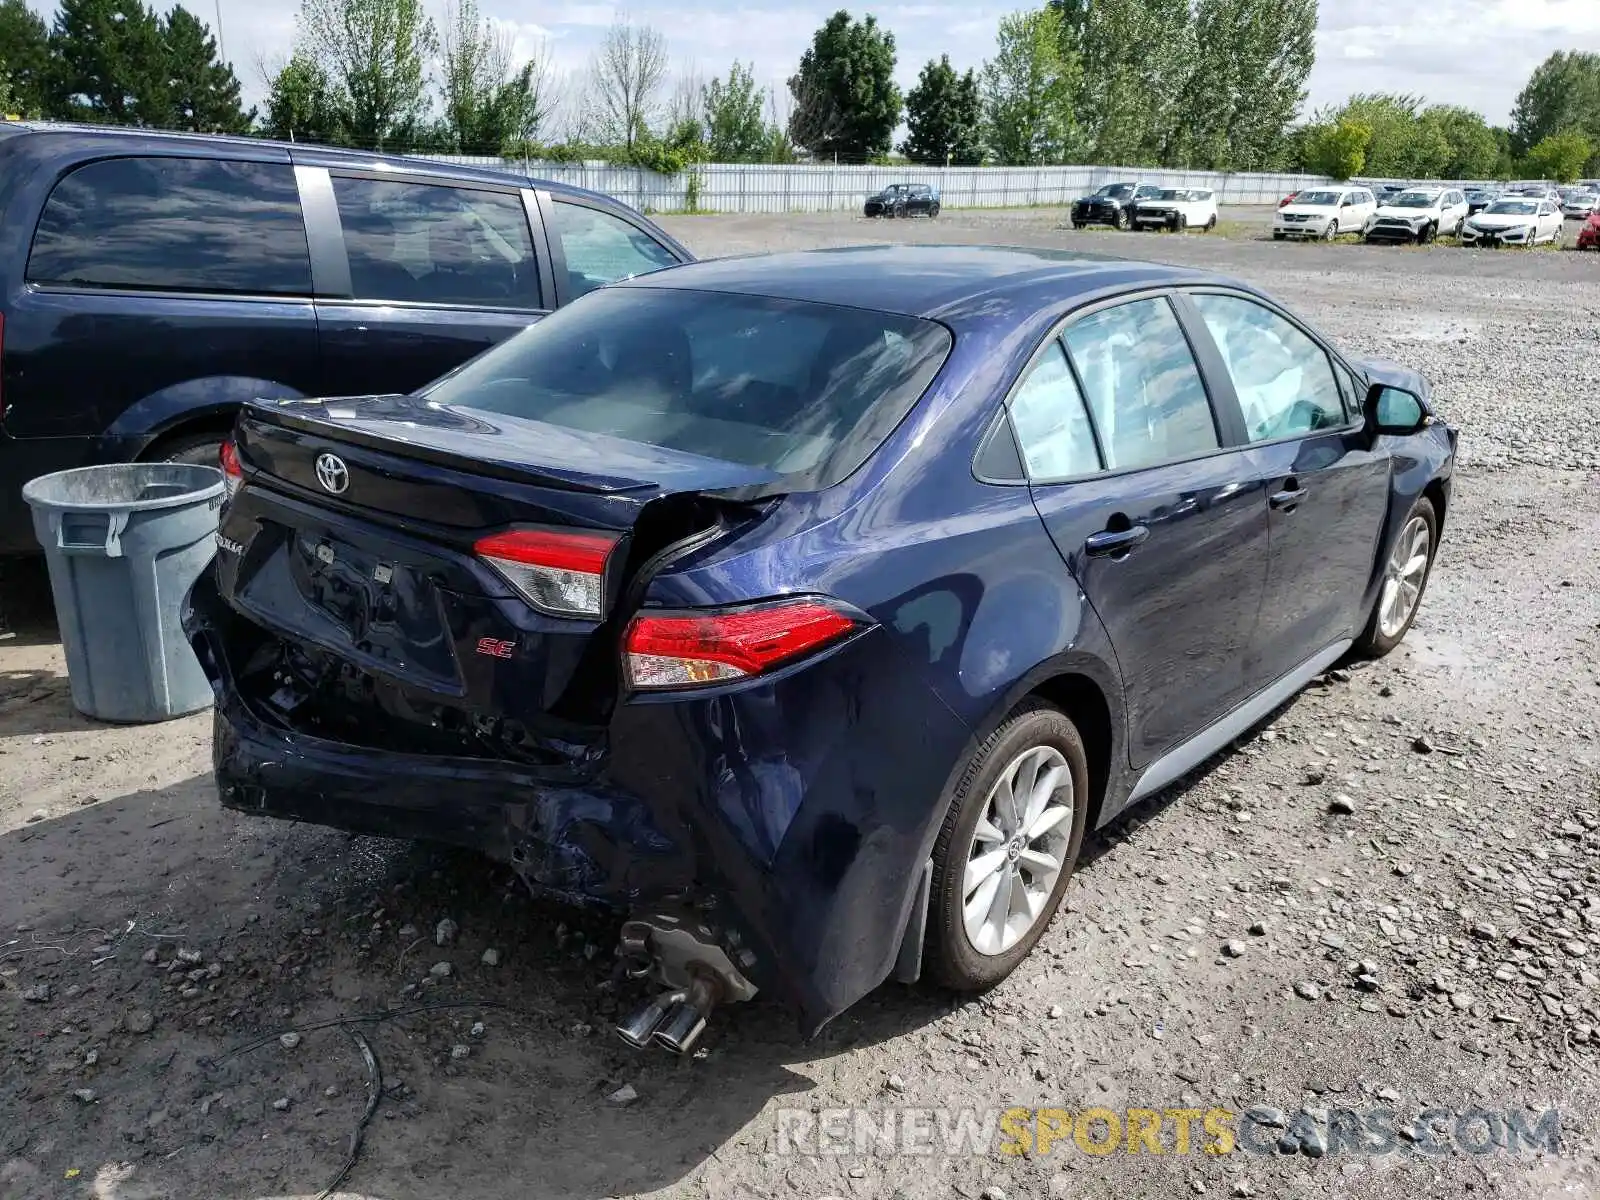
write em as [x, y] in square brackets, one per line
[124, 542]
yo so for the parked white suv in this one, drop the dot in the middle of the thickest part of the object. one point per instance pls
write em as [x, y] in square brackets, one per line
[1325, 213]
[1177, 208]
[1419, 215]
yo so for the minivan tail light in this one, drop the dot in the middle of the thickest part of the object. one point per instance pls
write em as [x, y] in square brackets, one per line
[677, 650]
[559, 571]
[232, 470]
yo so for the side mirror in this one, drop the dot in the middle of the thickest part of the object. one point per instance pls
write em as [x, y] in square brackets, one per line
[1394, 410]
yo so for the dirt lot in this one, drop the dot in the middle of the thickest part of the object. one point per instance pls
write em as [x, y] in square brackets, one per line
[1430, 821]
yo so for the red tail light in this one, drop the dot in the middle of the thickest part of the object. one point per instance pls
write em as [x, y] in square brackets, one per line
[560, 571]
[232, 471]
[685, 650]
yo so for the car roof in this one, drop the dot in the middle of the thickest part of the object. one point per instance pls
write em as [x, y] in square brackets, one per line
[951, 283]
[126, 140]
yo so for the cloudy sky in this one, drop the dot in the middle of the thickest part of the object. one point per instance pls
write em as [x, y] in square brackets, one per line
[1472, 52]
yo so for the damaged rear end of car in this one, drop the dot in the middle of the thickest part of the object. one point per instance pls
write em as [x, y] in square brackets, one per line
[463, 616]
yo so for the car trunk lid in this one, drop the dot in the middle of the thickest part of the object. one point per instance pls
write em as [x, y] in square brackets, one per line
[369, 548]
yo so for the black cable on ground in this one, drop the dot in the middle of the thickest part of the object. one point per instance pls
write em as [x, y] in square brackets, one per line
[374, 1072]
[374, 1091]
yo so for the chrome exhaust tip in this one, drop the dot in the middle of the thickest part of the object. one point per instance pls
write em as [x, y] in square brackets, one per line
[682, 1028]
[641, 1025]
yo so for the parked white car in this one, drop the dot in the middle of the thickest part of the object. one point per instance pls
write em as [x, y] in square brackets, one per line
[1514, 221]
[1325, 213]
[1177, 208]
[1419, 215]
[1578, 203]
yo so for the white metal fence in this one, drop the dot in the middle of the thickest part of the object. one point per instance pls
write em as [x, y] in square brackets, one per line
[820, 187]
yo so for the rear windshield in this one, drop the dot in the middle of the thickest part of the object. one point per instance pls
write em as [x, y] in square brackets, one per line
[804, 390]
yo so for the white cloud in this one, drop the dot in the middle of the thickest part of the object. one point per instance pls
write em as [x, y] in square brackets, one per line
[1473, 52]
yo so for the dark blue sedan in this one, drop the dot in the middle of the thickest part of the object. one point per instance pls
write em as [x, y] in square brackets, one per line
[808, 609]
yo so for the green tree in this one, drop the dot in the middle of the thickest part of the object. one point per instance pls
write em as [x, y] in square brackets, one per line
[202, 92]
[1563, 93]
[488, 102]
[1338, 150]
[1251, 61]
[944, 116]
[1474, 152]
[8, 104]
[1559, 156]
[732, 116]
[111, 62]
[300, 105]
[1136, 60]
[1403, 144]
[1027, 91]
[373, 54]
[846, 103]
[25, 59]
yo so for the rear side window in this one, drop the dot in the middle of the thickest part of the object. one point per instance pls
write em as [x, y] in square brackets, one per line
[176, 225]
[1051, 422]
[1145, 393]
[804, 390]
[431, 244]
[601, 248]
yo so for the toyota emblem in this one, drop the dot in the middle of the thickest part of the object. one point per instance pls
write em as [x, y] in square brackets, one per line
[332, 474]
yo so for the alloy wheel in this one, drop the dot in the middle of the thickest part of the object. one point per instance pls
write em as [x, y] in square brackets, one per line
[1017, 850]
[1403, 577]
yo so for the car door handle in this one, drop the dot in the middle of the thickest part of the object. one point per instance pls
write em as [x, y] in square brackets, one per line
[1115, 541]
[1286, 500]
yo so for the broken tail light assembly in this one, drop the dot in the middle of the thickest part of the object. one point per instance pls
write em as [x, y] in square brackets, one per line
[559, 571]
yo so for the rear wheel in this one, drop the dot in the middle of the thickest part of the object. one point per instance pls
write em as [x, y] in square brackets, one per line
[1405, 578]
[1007, 848]
[199, 449]
[1212, 223]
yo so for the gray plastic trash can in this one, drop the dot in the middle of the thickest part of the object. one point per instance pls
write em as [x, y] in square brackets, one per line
[124, 542]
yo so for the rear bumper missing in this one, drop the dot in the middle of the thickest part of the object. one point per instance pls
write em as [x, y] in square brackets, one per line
[802, 809]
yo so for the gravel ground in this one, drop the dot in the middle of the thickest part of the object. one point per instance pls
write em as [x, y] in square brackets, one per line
[1388, 898]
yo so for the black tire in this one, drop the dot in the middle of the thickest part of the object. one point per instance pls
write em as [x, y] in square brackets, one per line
[948, 955]
[1279, 236]
[1211, 223]
[1373, 643]
[1331, 230]
[934, 211]
[200, 449]
[1119, 219]
[1079, 224]
[1426, 235]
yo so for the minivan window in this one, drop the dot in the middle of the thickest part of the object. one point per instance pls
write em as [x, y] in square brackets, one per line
[804, 390]
[431, 244]
[1145, 393]
[601, 248]
[176, 225]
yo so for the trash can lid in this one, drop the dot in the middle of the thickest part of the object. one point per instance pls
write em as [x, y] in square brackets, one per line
[124, 487]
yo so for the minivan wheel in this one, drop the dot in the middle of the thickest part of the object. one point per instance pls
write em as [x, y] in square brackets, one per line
[1010, 839]
[1405, 578]
[200, 449]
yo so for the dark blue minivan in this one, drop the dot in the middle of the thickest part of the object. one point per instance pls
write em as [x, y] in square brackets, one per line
[151, 282]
